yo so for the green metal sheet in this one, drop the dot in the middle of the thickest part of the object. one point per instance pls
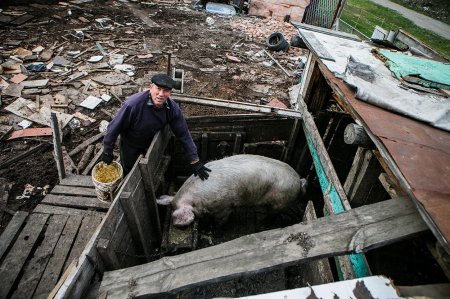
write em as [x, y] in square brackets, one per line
[432, 73]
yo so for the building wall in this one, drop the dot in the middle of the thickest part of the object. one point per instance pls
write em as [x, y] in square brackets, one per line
[279, 9]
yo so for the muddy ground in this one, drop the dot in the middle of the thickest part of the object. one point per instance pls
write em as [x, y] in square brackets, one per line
[222, 57]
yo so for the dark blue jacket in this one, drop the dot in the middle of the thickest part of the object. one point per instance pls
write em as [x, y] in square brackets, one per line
[138, 121]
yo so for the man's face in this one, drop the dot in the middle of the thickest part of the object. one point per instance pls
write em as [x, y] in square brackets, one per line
[159, 95]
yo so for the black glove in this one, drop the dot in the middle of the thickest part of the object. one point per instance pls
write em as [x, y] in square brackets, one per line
[200, 170]
[107, 158]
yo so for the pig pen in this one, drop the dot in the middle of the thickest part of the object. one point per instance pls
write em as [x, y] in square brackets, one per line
[136, 238]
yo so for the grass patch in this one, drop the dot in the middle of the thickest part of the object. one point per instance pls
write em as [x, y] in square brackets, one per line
[364, 15]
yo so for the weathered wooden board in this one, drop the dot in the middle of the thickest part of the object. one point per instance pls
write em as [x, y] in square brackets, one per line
[36, 266]
[356, 230]
[77, 180]
[85, 144]
[55, 210]
[75, 201]
[136, 210]
[56, 262]
[319, 271]
[11, 231]
[87, 228]
[16, 257]
[71, 190]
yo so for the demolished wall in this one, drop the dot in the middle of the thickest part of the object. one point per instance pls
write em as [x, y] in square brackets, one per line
[279, 9]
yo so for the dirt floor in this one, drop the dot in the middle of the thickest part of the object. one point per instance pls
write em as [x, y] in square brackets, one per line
[222, 57]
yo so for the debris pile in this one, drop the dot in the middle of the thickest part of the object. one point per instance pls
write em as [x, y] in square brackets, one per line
[80, 60]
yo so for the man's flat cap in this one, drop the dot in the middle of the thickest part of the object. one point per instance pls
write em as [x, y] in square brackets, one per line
[162, 80]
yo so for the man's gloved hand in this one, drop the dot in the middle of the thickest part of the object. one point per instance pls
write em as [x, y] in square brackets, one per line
[107, 158]
[200, 170]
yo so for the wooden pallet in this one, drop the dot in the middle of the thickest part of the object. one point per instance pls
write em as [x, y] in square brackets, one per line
[36, 248]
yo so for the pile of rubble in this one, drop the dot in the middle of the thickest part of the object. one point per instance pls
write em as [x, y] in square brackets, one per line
[87, 58]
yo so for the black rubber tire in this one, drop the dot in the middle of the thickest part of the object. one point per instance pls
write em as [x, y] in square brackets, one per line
[276, 42]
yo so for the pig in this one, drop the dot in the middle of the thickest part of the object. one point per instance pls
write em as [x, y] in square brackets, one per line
[236, 181]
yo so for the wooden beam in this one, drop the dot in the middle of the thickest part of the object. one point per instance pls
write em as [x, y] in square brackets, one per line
[85, 144]
[357, 230]
[57, 146]
[292, 139]
[319, 271]
[85, 158]
[334, 196]
[92, 163]
[237, 105]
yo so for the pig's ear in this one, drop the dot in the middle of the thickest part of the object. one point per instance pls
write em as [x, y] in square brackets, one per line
[183, 216]
[164, 200]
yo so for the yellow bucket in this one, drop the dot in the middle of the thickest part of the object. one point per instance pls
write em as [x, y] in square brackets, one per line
[106, 178]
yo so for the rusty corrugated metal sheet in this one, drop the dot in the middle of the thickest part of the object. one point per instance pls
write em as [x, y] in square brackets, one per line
[421, 153]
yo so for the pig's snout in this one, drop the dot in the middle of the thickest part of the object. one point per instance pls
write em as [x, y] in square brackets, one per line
[183, 216]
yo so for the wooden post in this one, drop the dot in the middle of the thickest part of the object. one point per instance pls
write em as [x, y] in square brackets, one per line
[57, 146]
[204, 149]
[237, 144]
[292, 139]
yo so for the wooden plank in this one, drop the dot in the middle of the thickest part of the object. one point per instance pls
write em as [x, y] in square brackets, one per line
[292, 139]
[367, 177]
[85, 144]
[354, 170]
[16, 257]
[108, 255]
[55, 210]
[319, 271]
[56, 262]
[77, 180]
[356, 230]
[75, 202]
[326, 31]
[36, 266]
[72, 190]
[137, 213]
[237, 105]
[11, 231]
[85, 158]
[93, 162]
[107, 247]
[87, 228]
[56, 137]
[335, 199]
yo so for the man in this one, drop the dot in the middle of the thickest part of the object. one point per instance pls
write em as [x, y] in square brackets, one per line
[141, 117]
